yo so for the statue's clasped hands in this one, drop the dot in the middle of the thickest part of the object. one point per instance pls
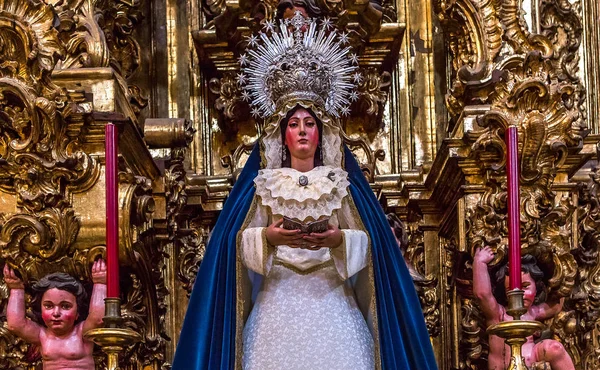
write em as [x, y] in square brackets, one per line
[276, 235]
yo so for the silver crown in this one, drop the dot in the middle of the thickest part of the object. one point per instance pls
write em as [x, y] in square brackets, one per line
[298, 62]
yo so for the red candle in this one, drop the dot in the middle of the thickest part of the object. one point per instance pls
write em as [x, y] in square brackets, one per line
[112, 210]
[514, 235]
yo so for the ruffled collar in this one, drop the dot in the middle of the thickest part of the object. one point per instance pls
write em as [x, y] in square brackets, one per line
[283, 191]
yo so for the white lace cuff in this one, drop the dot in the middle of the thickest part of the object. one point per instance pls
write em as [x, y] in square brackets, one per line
[257, 254]
[351, 256]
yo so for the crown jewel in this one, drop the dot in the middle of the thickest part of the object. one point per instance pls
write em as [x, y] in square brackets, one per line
[298, 62]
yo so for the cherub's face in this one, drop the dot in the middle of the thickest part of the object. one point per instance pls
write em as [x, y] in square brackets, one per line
[528, 286]
[59, 311]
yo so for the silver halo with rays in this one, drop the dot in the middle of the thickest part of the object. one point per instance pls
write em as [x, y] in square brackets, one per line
[297, 61]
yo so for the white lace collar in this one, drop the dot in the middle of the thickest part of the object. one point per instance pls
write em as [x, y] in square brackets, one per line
[281, 190]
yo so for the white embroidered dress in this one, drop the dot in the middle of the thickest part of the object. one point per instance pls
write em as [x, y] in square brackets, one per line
[305, 315]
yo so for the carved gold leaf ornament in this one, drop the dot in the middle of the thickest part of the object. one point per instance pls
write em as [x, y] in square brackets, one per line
[562, 25]
[30, 46]
[84, 39]
[472, 344]
[46, 236]
[516, 33]
[530, 97]
[586, 296]
[192, 246]
[372, 91]
[100, 33]
[231, 100]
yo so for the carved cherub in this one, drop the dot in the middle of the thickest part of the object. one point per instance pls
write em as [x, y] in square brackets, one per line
[535, 354]
[60, 308]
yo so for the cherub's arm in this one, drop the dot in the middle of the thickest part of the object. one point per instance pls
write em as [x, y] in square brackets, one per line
[15, 311]
[548, 309]
[94, 319]
[482, 285]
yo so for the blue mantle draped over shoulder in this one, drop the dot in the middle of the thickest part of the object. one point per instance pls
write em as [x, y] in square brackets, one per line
[208, 335]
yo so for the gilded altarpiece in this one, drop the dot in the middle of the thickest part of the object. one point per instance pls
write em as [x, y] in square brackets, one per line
[441, 81]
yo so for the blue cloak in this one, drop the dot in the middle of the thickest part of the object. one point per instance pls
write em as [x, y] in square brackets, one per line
[208, 335]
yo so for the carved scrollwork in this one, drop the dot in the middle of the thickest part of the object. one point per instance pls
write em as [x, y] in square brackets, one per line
[233, 161]
[47, 235]
[586, 295]
[516, 33]
[369, 168]
[561, 24]
[373, 93]
[588, 251]
[564, 328]
[38, 163]
[472, 345]
[478, 32]
[30, 46]
[430, 302]
[189, 242]
[473, 51]
[99, 33]
[474, 35]
[530, 97]
[84, 40]
[191, 246]
[485, 221]
[41, 163]
[13, 351]
[229, 101]
[142, 312]
[176, 195]
[118, 21]
[413, 251]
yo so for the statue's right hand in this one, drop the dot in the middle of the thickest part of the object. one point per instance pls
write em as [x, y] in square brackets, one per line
[11, 279]
[277, 235]
[484, 255]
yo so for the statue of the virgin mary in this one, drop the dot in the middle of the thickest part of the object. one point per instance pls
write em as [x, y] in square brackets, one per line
[302, 270]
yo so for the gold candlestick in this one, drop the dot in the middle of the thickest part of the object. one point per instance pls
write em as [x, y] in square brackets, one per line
[515, 332]
[112, 338]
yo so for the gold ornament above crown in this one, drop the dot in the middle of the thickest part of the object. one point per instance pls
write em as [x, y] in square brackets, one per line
[297, 62]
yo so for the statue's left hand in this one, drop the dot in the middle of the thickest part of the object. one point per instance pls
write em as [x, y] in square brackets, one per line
[99, 272]
[331, 238]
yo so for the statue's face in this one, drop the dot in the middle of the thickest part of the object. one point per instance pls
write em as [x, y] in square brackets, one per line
[302, 135]
[59, 311]
[528, 286]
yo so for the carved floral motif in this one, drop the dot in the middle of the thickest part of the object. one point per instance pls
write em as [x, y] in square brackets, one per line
[38, 163]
